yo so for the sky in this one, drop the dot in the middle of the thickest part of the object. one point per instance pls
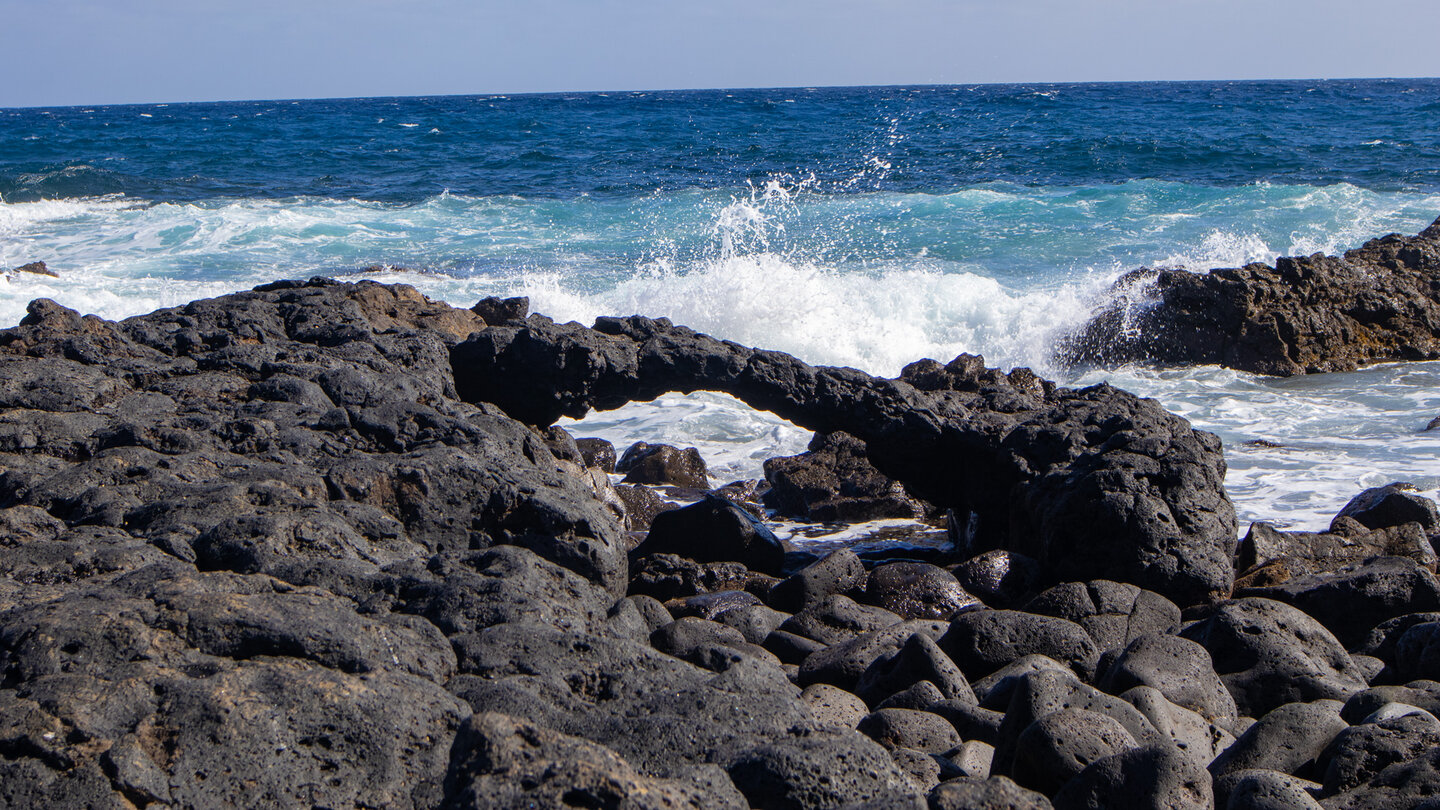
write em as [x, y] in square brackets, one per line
[69, 52]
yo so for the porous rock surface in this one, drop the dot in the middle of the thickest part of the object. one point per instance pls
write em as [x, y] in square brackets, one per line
[1305, 314]
[261, 548]
[1093, 482]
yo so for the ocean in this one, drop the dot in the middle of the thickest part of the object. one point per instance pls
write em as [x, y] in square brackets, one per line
[865, 227]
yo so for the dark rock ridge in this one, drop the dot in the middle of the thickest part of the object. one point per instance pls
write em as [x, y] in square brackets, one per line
[258, 552]
[1306, 314]
[1093, 483]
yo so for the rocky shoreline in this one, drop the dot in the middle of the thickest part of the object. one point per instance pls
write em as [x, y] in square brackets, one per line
[322, 545]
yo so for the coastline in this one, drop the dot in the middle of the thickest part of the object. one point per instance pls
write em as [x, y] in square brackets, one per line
[320, 542]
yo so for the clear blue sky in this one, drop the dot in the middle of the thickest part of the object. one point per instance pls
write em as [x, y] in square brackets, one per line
[60, 52]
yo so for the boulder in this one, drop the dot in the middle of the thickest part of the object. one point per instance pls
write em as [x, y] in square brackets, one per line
[1113, 613]
[842, 664]
[1359, 753]
[1269, 654]
[917, 590]
[907, 728]
[834, 481]
[1409, 785]
[1058, 746]
[838, 618]
[1260, 789]
[838, 572]
[1179, 668]
[1392, 505]
[715, 530]
[823, 769]
[1194, 735]
[919, 659]
[1039, 694]
[1289, 739]
[674, 576]
[597, 453]
[982, 641]
[644, 463]
[1148, 778]
[998, 578]
[1352, 599]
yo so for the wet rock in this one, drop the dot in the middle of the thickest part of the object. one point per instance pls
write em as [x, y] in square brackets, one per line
[1355, 598]
[1269, 654]
[503, 762]
[597, 453]
[1313, 552]
[497, 311]
[642, 504]
[674, 576]
[906, 728]
[1289, 739]
[1179, 668]
[1058, 746]
[1113, 613]
[715, 530]
[838, 572]
[982, 641]
[34, 268]
[1393, 505]
[999, 578]
[1155, 776]
[1303, 315]
[916, 590]
[1358, 753]
[644, 463]
[979, 793]
[837, 618]
[711, 606]
[834, 481]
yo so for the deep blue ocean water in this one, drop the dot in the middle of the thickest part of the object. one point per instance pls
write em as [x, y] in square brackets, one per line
[856, 226]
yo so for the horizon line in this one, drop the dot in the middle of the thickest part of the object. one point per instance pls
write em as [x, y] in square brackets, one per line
[800, 87]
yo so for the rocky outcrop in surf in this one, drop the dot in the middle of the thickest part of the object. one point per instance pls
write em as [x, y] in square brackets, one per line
[1304, 315]
[317, 544]
[1095, 482]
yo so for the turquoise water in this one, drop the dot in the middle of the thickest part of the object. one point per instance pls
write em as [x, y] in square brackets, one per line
[865, 227]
